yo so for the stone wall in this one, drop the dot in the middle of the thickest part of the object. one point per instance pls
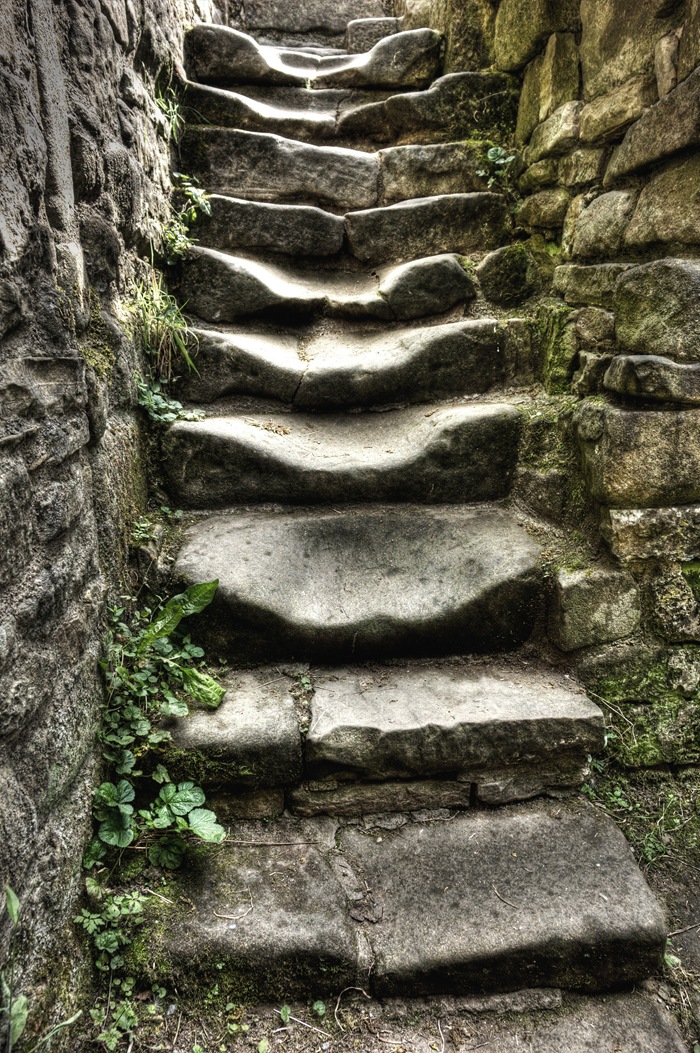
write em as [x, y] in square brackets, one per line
[84, 175]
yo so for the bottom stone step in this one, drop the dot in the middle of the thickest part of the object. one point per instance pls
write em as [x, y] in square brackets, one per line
[489, 901]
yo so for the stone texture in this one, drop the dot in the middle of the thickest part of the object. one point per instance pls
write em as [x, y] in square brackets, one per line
[585, 916]
[520, 31]
[559, 76]
[252, 739]
[600, 229]
[582, 166]
[619, 40]
[422, 722]
[593, 607]
[483, 570]
[508, 275]
[431, 169]
[557, 135]
[243, 363]
[657, 309]
[689, 50]
[594, 285]
[635, 459]
[672, 124]
[292, 230]
[423, 226]
[329, 16]
[545, 210]
[668, 210]
[460, 453]
[351, 799]
[425, 287]
[666, 62]
[363, 33]
[609, 115]
[270, 168]
[653, 533]
[653, 377]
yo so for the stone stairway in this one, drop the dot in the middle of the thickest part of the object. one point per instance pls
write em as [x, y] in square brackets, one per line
[402, 816]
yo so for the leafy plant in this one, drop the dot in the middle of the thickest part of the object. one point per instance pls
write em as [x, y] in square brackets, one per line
[498, 162]
[151, 672]
[168, 103]
[14, 1009]
[173, 241]
[158, 405]
[162, 328]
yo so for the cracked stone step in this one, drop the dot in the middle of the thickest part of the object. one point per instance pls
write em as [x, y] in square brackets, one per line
[529, 896]
[444, 454]
[385, 581]
[222, 56]
[264, 167]
[220, 288]
[420, 722]
[292, 230]
[445, 223]
[350, 369]
[271, 168]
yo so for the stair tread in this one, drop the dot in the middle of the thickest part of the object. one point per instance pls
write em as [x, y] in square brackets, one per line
[292, 230]
[544, 894]
[350, 369]
[330, 16]
[430, 454]
[365, 581]
[219, 286]
[225, 56]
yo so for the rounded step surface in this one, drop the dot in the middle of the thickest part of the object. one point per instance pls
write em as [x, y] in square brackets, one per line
[364, 582]
[443, 454]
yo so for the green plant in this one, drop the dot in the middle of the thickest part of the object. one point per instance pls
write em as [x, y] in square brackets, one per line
[497, 163]
[158, 405]
[14, 1009]
[161, 327]
[168, 103]
[172, 241]
[152, 672]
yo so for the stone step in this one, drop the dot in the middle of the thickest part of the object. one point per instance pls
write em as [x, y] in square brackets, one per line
[446, 223]
[329, 17]
[350, 369]
[291, 230]
[433, 455]
[264, 167]
[220, 288]
[364, 582]
[388, 738]
[456, 106]
[363, 33]
[529, 896]
[225, 57]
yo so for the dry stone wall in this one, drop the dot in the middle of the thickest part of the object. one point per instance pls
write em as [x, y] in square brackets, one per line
[84, 176]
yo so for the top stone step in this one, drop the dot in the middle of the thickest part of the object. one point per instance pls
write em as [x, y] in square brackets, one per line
[330, 17]
[224, 57]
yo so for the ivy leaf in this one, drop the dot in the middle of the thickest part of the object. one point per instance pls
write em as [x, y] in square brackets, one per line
[12, 904]
[119, 796]
[203, 824]
[174, 708]
[203, 688]
[19, 1011]
[94, 853]
[160, 774]
[126, 763]
[263, 1046]
[117, 830]
[184, 798]
[167, 852]
[319, 1008]
[285, 1013]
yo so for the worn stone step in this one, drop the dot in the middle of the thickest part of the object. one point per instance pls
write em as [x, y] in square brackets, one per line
[446, 223]
[363, 33]
[455, 107]
[330, 17]
[220, 288]
[350, 369]
[528, 896]
[264, 167]
[444, 454]
[364, 582]
[222, 56]
[271, 168]
[291, 230]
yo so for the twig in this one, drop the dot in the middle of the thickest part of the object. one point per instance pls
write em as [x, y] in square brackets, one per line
[270, 844]
[177, 1029]
[275, 681]
[311, 1027]
[683, 861]
[688, 928]
[442, 1037]
[503, 899]
[337, 1004]
[164, 899]
[238, 917]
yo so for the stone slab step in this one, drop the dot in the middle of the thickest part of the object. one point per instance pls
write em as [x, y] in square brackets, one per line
[271, 168]
[446, 223]
[222, 56]
[220, 288]
[292, 230]
[350, 369]
[654, 377]
[383, 581]
[433, 455]
[455, 107]
[363, 33]
[527, 896]
[328, 16]
[263, 167]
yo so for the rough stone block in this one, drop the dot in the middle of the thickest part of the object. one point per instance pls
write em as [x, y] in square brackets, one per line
[294, 230]
[653, 377]
[593, 607]
[668, 211]
[653, 533]
[522, 30]
[558, 135]
[594, 285]
[657, 309]
[559, 76]
[582, 166]
[348, 799]
[16, 520]
[609, 115]
[600, 228]
[542, 173]
[529, 104]
[363, 33]
[545, 210]
[689, 50]
[430, 170]
[330, 16]
[666, 62]
[636, 459]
